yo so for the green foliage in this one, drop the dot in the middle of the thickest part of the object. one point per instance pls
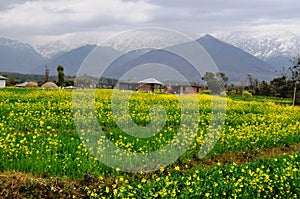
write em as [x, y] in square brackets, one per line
[38, 135]
[205, 92]
[233, 92]
[281, 86]
[61, 75]
[215, 83]
[265, 89]
[60, 68]
[246, 94]
[16, 78]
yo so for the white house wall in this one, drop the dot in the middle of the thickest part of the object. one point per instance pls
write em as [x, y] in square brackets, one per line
[2, 83]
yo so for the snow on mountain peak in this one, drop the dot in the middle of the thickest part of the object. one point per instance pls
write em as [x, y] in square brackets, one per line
[63, 44]
[55, 47]
[260, 44]
[14, 44]
[264, 44]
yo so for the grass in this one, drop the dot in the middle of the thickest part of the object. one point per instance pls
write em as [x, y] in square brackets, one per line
[40, 147]
[277, 100]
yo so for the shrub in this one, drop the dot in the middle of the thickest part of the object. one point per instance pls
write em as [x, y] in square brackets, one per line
[246, 94]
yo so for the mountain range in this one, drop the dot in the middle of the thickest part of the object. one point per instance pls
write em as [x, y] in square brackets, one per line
[18, 57]
[234, 54]
[276, 48]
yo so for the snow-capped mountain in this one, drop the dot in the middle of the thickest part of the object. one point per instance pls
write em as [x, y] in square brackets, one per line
[4, 42]
[149, 38]
[17, 56]
[277, 48]
[64, 44]
[263, 44]
[53, 48]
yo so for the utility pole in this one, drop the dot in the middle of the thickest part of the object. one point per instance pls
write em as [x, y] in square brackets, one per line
[295, 91]
[296, 76]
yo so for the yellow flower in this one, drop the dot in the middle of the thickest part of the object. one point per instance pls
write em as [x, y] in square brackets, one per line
[144, 180]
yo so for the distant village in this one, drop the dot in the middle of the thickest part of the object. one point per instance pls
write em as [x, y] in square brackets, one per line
[284, 86]
[146, 85]
[150, 85]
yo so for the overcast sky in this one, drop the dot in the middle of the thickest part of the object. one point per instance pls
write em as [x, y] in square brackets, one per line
[46, 20]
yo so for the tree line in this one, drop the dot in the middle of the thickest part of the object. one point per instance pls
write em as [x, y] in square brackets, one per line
[286, 85]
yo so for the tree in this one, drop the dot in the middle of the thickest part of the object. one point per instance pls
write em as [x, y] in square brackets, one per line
[254, 85]
[280, 86]
[264, 89]
[61, 75]
[251, 81]
[216, 83]
[222, 77]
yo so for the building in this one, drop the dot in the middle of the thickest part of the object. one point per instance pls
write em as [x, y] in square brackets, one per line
[184, 89]
[149, 85]
[2, 81]
[22, 84]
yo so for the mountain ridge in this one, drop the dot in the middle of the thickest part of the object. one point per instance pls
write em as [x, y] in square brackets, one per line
[231, 59]
[277, 48]
[72, 59]
[16, 56]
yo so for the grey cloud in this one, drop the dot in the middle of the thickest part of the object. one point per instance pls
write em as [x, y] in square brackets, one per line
[219, 14]
[6, 4]
[189, 16]
[231, 9]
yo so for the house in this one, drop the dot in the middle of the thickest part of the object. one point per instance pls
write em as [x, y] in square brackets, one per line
[184, 89]
[148, 85]
[2, 81]
[22, 84]
[151, 84]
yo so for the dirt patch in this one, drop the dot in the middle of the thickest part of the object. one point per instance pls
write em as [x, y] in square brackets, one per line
[246, 156]
[22, 185]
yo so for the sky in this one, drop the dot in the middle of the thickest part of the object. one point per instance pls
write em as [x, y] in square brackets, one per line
[42, 21]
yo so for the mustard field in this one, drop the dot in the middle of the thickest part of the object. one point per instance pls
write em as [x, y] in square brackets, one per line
[256, 154]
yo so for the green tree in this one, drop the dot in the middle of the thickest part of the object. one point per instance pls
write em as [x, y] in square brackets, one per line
[254, 85]
[265, 89]
[280, 86]
[61, 75]
[215, 83]
[222, 77]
